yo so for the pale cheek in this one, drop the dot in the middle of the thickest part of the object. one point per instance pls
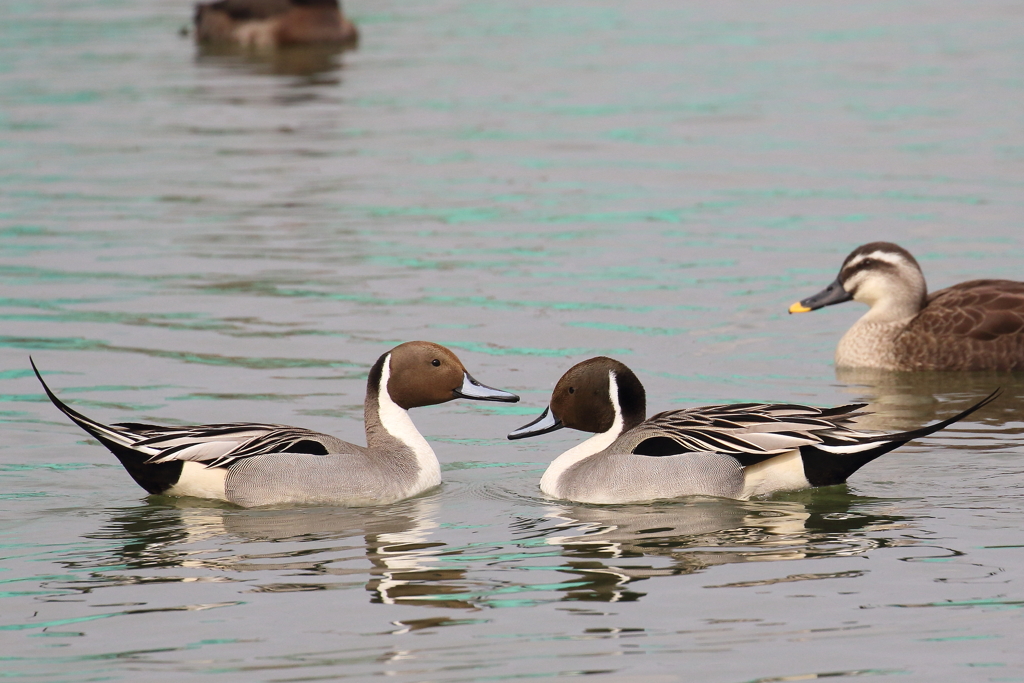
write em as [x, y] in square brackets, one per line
[870, 291]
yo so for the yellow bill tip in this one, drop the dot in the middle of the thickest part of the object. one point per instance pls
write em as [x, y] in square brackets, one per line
[799, 308]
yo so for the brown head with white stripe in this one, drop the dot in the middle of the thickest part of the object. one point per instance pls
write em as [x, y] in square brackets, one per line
[593, 396]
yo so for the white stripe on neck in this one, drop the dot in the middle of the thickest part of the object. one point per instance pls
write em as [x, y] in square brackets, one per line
[593, 445]
[396, 421]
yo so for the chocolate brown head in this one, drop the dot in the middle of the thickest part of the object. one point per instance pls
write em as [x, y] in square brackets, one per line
[585, 399]
[422, 373]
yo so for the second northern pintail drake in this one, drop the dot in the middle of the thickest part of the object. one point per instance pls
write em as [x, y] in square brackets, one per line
[731, 451]
[975, 325]
[274, 23]
[253, 465]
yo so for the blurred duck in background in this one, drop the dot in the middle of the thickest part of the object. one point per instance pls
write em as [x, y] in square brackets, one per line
[975, 325]
[267, 24]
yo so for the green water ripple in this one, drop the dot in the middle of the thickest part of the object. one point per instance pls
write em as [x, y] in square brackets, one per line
[81, 344]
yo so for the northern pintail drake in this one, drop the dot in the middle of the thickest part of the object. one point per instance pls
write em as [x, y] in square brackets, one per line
[253, 465]
[274, 23]
[975, 325]
[731, 451]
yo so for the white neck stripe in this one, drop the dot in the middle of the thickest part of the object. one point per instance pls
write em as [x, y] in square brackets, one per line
[396, 421]
[595, 444]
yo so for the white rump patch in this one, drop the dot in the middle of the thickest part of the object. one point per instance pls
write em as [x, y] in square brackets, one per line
[782, 473]
[199, 481]
[257, 34]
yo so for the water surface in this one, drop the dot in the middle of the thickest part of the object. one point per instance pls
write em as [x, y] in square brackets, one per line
[196, 236]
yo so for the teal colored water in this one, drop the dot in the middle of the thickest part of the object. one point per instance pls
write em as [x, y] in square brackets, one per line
[192, 236]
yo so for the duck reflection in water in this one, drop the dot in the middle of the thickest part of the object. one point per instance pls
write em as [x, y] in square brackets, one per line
[314, 62]
[608, 547]
[318, 544]
[403, 555]
[904, 400]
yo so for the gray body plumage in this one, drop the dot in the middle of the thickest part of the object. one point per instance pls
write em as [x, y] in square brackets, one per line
[356, 478]
[703, 451]
[355, 474]
[618, 476]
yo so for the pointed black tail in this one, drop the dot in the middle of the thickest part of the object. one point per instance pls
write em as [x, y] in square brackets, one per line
[826, 467]
[155, 478]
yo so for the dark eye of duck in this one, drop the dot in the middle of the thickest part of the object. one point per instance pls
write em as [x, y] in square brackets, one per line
[572, 390]
[436, 363]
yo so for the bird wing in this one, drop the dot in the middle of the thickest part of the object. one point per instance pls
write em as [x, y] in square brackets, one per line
[219, 445]
[749, 432]
[982, 310]
[215, 445]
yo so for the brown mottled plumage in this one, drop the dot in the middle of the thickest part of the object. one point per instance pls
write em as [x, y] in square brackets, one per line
[976, 325]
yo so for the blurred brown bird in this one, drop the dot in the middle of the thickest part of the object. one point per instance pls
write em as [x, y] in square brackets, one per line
[274, 23]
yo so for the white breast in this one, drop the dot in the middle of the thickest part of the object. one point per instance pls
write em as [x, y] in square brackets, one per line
[593, 445]
[395, 419]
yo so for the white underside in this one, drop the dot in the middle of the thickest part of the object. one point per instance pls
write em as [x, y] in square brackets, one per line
[782, 473]
[199, 481]
[595, 444]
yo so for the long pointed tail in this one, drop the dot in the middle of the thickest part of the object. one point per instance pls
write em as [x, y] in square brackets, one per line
[96, 429]
[825, 466]
[904, 437]
[155, 478]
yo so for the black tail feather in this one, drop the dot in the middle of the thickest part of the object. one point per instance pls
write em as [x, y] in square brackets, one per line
[81, 420]
[942, 424]
[155, 478]
[827, 469]
[823, 468]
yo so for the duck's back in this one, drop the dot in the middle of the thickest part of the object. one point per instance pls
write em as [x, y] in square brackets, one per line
[975, 325]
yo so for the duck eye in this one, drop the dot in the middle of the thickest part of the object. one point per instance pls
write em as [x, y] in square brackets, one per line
[572, 390]
[436, 363]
